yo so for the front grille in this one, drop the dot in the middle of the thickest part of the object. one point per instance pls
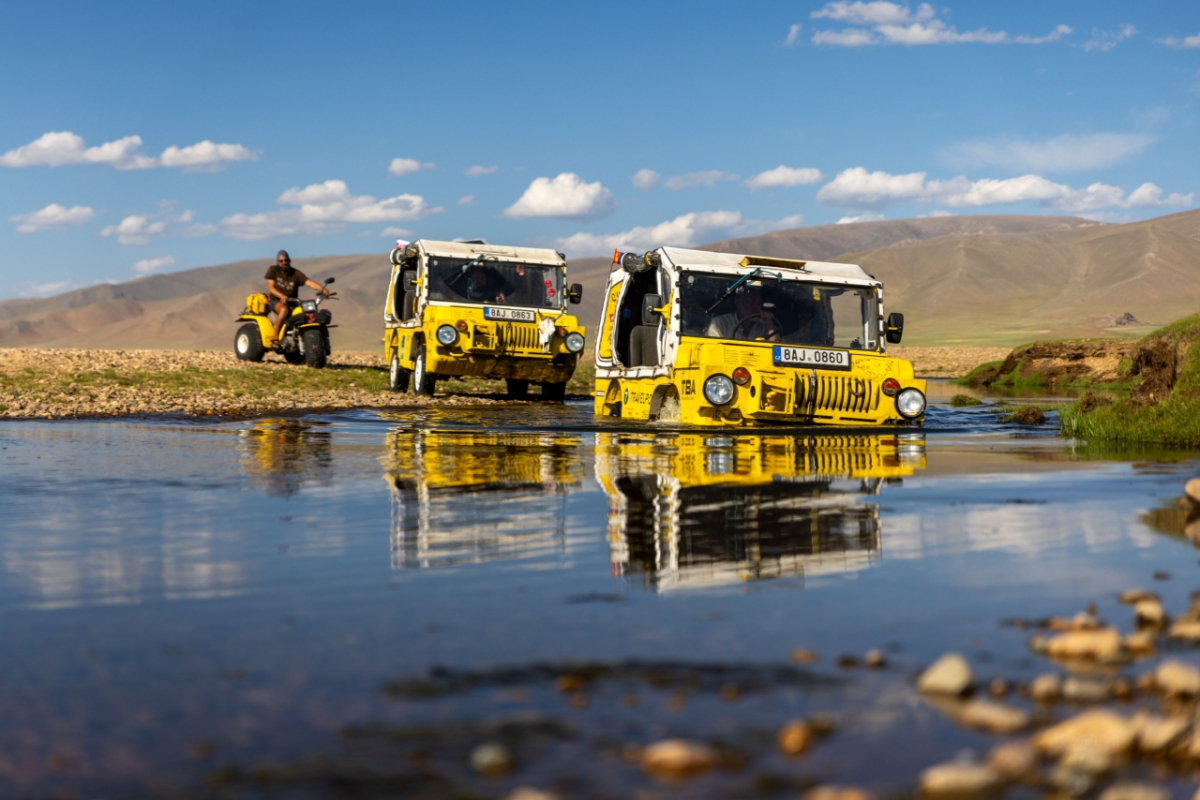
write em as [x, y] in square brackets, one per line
[837, 393]
[519, 337]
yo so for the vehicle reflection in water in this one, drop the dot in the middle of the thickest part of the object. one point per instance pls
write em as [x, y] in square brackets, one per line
[691, 511]
[281, 455]
[464, 497]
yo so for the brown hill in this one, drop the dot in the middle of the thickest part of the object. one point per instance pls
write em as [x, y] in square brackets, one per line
[966, 280]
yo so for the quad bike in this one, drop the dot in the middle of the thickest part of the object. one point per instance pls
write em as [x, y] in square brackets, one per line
[303, 340]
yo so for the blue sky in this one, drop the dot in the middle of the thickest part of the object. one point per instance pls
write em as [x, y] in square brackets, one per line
[336, 128]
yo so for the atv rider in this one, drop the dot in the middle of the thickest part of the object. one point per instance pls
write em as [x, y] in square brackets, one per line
[283, 284]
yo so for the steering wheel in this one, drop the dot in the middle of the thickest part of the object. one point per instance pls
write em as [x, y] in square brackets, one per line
[755, 318]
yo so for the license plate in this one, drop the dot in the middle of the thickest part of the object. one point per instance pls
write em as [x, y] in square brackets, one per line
[514, 314]
[811, 357]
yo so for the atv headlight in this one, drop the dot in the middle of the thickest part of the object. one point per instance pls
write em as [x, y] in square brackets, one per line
[309, 306]
[910, 403]
[574, 342]
[718, 390]
[446, 335]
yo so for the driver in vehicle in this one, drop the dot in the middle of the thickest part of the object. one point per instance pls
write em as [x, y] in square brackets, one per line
[750, 320]
[486, 285]
[283, 285]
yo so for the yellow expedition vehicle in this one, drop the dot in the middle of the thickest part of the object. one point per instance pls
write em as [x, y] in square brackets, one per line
[702, 510]
[725, 339]
[470, 308]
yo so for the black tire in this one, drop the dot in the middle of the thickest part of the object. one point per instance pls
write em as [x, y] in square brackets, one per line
[314, 347]
[247, 343]
[422, 381]
[293, 356]
[517, 390]
[554, 392]
[398, 376]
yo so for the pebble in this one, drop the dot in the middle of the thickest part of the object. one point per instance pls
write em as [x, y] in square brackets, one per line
[1099, 730]
[1098, 645]
[1086, 690]
[950, 674]
[1176, 677]
[1135, 791]
[1155, 734]
[1140, 643]
[1014, 760]
[837, 793]
[960, 779]
[794, 737]
[678, 758]
[1188, 629]
[990, 716]
[1131, 596]
[1046, 688]
[875, 659]
[530, 793]
[1149, 611]
[490, 758]
[1192, 490]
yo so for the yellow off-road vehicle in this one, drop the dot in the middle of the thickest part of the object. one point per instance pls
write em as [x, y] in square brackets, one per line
[723, 339]
[697, 510]
[469, 308]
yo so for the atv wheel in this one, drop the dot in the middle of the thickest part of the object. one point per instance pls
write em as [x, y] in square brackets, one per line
[293, 356]
[398, 377]
[314, 347]
[247, 344]
[554, 392]
[517, 390]
[422, 381]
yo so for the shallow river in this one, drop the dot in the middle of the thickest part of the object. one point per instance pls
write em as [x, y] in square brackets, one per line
[348, 605]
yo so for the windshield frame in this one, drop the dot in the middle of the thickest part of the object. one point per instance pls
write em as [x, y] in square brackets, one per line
[435, 295]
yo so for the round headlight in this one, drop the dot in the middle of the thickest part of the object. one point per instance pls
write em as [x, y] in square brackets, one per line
[910, 403]
[446, 335]
[718, 390]
[574, 342]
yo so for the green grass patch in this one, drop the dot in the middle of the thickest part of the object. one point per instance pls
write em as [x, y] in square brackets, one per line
[962, 400]
[973, 377]
[1175, 421]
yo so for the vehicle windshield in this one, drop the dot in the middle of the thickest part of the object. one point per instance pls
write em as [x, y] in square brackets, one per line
[789, 312]
[496, 283]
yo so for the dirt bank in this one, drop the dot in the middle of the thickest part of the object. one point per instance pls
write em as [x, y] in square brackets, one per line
[1058, 364]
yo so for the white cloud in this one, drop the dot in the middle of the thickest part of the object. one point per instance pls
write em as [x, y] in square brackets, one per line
[1107, 40]
[1149, 195]
[403, 166]
[477, 170]
[52, 217]
[61, 148]
[691, 180]
[755, 227]
[684, 231]
[1066, 153]
[1187, 41]
[857, 188]
[392, 232]
[646, 179]
[785, 176]
[793, 35]
[135, 229]
[867, 216]
[892, 23]
[32, 289]
[564, 197]
[148, 265]
[323, 208]
[466, 200]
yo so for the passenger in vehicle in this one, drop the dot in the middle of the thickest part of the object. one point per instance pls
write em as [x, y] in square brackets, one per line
[751, 319]
[485, 285]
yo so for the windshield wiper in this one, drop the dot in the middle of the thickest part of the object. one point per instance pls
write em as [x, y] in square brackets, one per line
[739, 282]
[474, 262]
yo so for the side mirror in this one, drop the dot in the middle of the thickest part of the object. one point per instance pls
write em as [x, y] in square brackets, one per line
[328, 281]
[408, 277]
[650, 306]
[895, 328]
[575, 293]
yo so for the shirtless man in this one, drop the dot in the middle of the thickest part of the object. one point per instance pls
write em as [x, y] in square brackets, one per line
[283, 284]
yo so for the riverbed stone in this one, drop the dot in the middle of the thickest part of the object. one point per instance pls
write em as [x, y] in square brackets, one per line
[530, 793]
[829, 792]
[950, 674]
[1140, 643]
[1046, 688]
[1149, 612]
[1155, 733]
[874, 659]
[1076, 689]
[1015, 760]
[960, 779]
[678, 758]
[1135, 791]
[794, 737]
[1177, 678]
[1191, 490]
[491, 758]
[1098, 645]
[1186, 629]
[1097, 729]
[991, 716]
[1131, 596]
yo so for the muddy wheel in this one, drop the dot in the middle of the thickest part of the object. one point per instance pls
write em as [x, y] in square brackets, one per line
[554, 392]
[314, 347]
[422, 381]
[517, 390]
[293, 356]
[247, 344]
[397, 376]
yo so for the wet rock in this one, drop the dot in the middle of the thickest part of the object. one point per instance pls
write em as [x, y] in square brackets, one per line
[1016, 761]
[802, 656]
[530, 793]
[1046, 688]
[990, 716]
[1191, 490]
[491, 758]
[569, 683]
[1029, 415]
[1186, 629]
[1131, 596]
[678, 758]
[875, 659]
[1176, 677]
[1088, 760]
[1086, 690]
[1102, 731]
[1083, 621]
[1070, 781]
[1149, 612]
[960, 779]
[794, 737]
[1140, 643]
[1135, 791]
[1155, 734]
[837, 793]
[1097, 645]
[950, 674]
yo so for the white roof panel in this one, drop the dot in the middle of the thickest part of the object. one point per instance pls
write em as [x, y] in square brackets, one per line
[682, 257]
[538, 255]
